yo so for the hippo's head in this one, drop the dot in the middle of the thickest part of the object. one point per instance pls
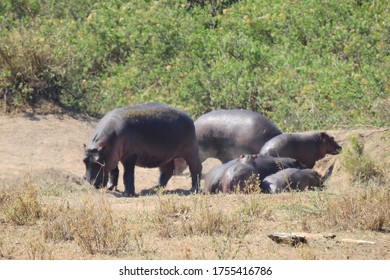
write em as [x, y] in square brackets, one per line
[95, 167]
[248, 159]
[329, 145]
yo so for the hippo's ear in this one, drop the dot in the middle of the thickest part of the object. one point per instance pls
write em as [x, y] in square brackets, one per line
[254, 156]
[324, 136]
[102, 147]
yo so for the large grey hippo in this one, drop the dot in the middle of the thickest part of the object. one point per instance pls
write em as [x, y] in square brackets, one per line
[264, 165]
[307, 147]
[291, 179]
[147, 135]
[227, 134]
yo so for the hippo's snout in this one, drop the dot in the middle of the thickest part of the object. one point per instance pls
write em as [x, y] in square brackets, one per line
[337, 151]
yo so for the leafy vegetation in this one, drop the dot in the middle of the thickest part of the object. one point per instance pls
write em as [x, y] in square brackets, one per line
[305, 64]
[357, 163]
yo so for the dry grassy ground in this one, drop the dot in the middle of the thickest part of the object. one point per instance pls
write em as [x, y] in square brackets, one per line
[48, 212]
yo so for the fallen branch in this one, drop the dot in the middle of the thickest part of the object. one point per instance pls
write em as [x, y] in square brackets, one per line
[358, 241]
[294, 239]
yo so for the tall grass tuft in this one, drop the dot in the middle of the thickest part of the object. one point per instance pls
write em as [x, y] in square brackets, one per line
[57, 222]
[358, 208]
[201, 218]
[22, 206]
[97, 231]
[357, 163]
[37, 249]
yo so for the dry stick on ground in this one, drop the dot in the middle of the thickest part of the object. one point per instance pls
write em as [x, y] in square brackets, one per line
[294, 239]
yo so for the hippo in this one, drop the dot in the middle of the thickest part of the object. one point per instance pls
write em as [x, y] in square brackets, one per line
[291, 179]
[264, 165]
[238, 174]
[226, 134]
[146, 135]
[307, 147]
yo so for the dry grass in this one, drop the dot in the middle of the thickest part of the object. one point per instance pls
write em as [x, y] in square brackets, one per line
[222, 226]
[95, 229]
[38, 249]
[21, 206]
[361, 208]
[195, 216]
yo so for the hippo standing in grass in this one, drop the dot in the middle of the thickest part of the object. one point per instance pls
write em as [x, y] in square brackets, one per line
[227, 134]
[148, 135]
[264, 165]
[307, 147]
[291, 179]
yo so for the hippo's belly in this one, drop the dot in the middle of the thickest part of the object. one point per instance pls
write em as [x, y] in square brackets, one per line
[152, 161]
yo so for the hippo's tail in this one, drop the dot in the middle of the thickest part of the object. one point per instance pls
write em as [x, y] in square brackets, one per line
[328, 173]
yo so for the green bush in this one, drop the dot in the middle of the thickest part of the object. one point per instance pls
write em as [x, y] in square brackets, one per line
[307, 64]
[357, 163]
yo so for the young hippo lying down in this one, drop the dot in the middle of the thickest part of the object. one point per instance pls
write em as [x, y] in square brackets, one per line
[291, 179]
[222, 177]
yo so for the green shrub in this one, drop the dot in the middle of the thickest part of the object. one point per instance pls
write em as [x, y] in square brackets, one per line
[357, 163]
[306, 65]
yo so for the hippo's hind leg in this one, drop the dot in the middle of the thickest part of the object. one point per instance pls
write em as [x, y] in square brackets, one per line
[195, 167]
[128, 178]
[113, 179]
[166, 172]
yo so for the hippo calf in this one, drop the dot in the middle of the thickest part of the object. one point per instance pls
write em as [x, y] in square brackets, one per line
[227, 134]
[223, 177]
[147, 135]
[238, 174]
[264, 165]
[307, 148]
[291, 179]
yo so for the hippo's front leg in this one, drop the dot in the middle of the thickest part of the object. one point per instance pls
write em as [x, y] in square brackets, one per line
[113, 179]
[128, 179]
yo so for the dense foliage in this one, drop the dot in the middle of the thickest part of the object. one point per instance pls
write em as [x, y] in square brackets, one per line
[305, 64]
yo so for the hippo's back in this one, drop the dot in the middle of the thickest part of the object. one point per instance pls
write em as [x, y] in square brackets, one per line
[151, 132]
[148, 118]
[267, 165]
[233, 132]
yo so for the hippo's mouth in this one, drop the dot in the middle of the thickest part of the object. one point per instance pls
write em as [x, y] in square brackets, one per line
[337, 151]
